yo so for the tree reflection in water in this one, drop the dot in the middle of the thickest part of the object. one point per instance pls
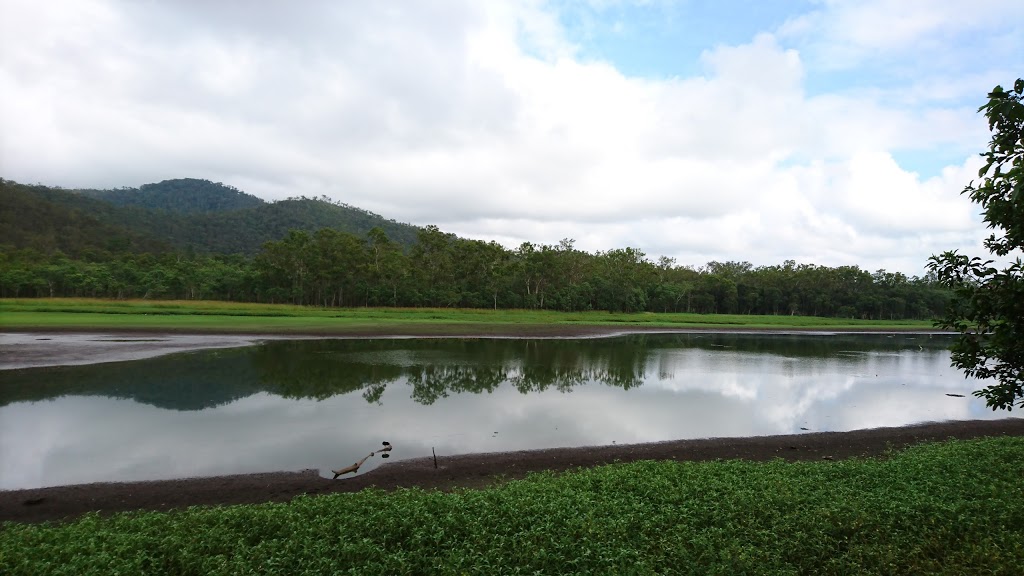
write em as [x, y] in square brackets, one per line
[432, 368]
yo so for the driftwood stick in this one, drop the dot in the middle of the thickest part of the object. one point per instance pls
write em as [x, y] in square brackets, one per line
[352, 468]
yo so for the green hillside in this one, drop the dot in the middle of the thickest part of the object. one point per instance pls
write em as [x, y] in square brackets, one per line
[50, 219]
[316, 252]
[185, 214]
[245, 231]
[185, 195]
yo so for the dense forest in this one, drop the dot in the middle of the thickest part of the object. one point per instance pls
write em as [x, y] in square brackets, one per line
[185, 215]
[186, 195]
[71, 247]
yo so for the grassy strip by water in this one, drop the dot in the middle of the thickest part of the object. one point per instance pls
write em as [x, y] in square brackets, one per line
[210, 316]
[947, 508]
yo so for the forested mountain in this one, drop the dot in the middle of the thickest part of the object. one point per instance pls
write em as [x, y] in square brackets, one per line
[245, 231]
[187, 214]
[184, 195]
[49, 220]
[313, 252]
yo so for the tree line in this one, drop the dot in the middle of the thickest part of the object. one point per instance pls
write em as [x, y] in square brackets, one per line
[331, 268]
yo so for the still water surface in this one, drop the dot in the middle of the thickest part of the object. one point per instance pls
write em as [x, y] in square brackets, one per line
[291, 405]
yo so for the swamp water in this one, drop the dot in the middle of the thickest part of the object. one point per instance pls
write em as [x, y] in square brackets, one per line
[292, 405]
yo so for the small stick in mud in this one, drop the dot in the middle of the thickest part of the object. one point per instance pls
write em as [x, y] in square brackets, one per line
[435, 456]
[352, 468]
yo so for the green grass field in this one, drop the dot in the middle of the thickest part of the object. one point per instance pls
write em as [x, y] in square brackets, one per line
[947, 508]
[205, 316]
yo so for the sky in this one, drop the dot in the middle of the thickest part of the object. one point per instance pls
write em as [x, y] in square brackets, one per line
[828, 132]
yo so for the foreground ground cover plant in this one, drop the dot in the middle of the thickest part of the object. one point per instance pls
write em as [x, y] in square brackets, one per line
[947, 508]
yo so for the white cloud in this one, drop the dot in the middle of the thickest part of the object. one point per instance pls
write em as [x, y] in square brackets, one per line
[479, 117]
[850, 30]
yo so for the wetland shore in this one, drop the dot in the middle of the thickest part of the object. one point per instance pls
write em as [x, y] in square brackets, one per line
[29, 347]
[474, 470]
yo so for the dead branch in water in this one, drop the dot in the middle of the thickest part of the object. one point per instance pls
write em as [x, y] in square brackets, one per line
[352, 468]
[355, 467]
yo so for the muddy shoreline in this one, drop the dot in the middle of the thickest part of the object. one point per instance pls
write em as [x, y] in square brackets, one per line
[474, 470]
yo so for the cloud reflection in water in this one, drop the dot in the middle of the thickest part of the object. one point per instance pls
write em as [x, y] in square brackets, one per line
[319, 404]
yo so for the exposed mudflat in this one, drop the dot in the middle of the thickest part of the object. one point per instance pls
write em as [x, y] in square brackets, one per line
[473, 470]
[33, 350]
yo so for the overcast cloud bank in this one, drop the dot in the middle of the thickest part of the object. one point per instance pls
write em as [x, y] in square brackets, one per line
[842, 136]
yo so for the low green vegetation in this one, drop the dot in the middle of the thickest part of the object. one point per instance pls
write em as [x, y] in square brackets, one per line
[947, 508]
[41, 313]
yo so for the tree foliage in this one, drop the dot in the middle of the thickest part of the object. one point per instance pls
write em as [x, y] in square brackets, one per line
[320, 253]
[332, 268]
[988, 302]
